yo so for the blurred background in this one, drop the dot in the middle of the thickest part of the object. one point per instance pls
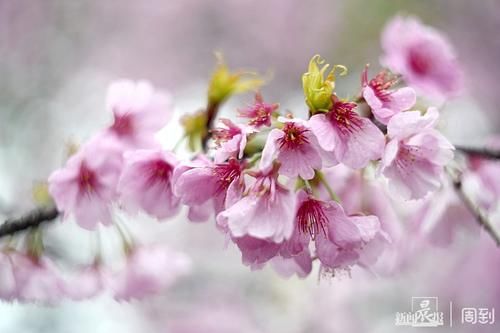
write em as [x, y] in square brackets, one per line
[57, 58]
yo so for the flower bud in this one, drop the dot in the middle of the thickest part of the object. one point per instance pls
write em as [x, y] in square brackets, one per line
[224, 83]
[317, 89]
[195, 128]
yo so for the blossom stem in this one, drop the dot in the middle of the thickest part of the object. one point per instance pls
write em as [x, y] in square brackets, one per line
[328, 188]
[481, 152]
[481, 218]
[178, 143]
[30, 220]
[254, 159]
[212, 110]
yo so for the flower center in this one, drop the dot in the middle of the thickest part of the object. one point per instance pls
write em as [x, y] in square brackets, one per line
[221, 134]
[159, 171]
[311, 218]
[123, 125]
[295, 136]
[407, 155]
[226, 173]
[87, 180]
[381, 84]
[343, 117]
[419, 61]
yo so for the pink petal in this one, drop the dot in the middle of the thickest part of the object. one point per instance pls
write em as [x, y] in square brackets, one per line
[270, 149]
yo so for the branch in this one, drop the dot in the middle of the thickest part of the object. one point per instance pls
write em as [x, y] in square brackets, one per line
[32, 219]
[481, 218]
[481, 152]
[212, 110]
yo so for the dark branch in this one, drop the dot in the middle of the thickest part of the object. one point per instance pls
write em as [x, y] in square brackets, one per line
[212, 110]
[481, 218]
[32, 219]
[480, 152]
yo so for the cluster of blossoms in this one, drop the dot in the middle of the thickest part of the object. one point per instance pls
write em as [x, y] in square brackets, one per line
[268, 181]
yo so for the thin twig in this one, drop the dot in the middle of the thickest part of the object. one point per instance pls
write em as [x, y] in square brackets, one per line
[212, 110]
[481, 152]
[481, 218]
[30, 220]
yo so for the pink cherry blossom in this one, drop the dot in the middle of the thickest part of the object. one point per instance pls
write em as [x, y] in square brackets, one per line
[205, 186]
[139, 112]
[32, 279]
[383, 102]
[339, 239]
[442, 216]
[146, 183]
[230, 140]
[8, 285]
[423, 56]
[86, 186]
[255, 252]
[486, 174]
[148, 270]
[265, 212]
[346, 136]
[295, 147]
[361, 194]
[260, 113]
[86, 282]
[416, 154]
[301, 265]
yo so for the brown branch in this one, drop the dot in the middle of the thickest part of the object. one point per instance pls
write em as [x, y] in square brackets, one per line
[30, 220]
[487, 153]
[212, 110]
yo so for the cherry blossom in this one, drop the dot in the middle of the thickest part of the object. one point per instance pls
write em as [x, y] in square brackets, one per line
[148, 270]
[265, 212]
[86, 186]
[423, 56]
[295, 147]
[347, 137]
[260, 113]
[139, 112]
[383, 102]
[416, 154]
[146, 183]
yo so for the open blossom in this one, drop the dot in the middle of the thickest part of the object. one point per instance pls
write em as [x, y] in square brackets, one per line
[259, 114]
[347, 137]
[230, 139]
[384, 102]
[423, 56]
[139, 112]
[256, 252]
[205, 187]
[86, 186]
[86, 282]
[148, 270]
[29, 279]
[265, 212]
[339, 239]
[295, 147]
[301, 265]
[416, 154]
[146, 183]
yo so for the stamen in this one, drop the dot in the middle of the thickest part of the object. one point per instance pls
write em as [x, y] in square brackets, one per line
[295, 136]
[311, 218]
[226, 173]
[123, 125]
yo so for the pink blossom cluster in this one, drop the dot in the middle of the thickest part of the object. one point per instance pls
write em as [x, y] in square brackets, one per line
[268, 202]
[146, 271]
[268, 180]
